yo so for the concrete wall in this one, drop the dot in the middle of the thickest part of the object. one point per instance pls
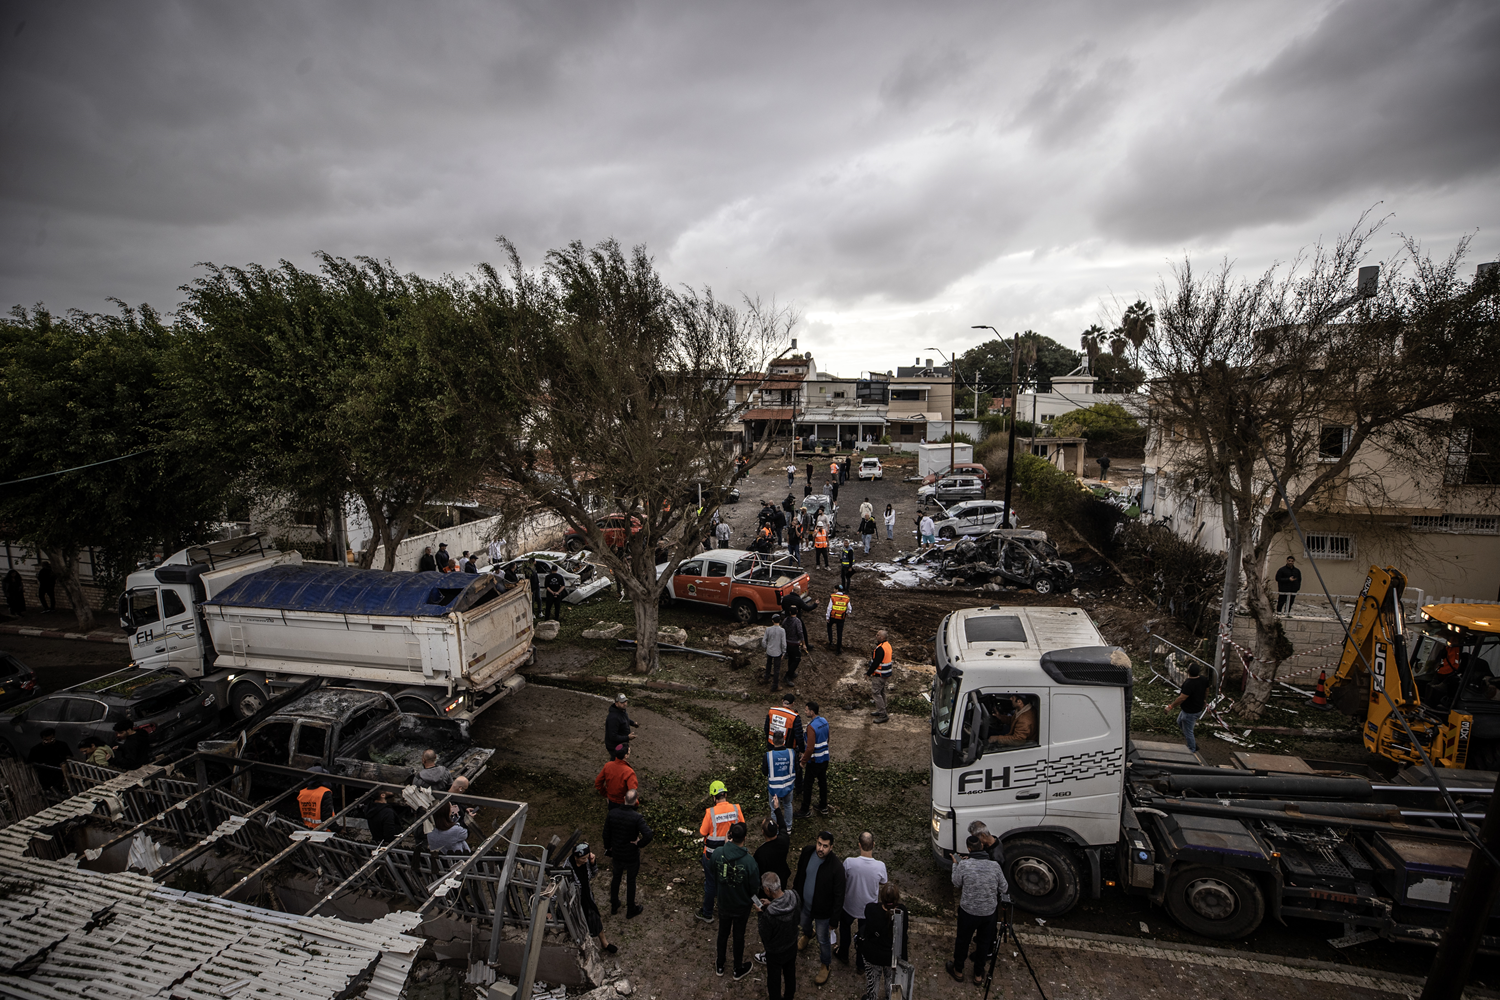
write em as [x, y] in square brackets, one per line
[544, 531]
[1320, 638]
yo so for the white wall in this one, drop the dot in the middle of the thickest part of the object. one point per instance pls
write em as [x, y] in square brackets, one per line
[543, 531]
[934, 457]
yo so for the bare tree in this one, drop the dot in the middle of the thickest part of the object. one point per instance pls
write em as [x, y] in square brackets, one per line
[1252, 379]
[623, 395]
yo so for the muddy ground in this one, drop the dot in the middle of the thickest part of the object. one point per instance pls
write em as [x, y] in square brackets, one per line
[701, 720]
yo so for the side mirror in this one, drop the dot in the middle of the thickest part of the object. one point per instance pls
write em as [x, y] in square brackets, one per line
[127, 622]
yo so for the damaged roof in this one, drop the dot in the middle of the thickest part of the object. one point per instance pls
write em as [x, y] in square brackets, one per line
[67, 933]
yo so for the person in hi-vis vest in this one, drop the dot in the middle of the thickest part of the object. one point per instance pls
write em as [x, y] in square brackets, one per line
[839, 609]
[717, 819]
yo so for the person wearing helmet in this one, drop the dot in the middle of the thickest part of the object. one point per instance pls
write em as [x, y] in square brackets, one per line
[717, 819]
[582, 868]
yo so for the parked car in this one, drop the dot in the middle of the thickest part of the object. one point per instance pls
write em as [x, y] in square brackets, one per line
[17, 680]
[164, 704]
[972, 517]
[582, 578]
[870, 468]
[816, 500]
[975, 469]
[950, 490]
[747, 584]
[613, 526]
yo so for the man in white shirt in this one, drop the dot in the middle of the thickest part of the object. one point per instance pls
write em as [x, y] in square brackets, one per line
[863, 877]
[927, 529]
[791, 476]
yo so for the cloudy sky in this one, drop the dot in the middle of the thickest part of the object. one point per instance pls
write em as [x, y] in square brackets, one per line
[896, 172]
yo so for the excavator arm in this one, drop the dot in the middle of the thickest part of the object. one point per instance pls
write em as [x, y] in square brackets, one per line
[1374, 638]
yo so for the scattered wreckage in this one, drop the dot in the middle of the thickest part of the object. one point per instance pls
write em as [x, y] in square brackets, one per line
[1014, 557]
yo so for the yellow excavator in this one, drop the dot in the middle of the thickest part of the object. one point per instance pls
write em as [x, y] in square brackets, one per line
[1445, 684]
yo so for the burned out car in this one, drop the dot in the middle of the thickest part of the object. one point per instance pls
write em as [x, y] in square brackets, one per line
[581, 578]
[1017, 557]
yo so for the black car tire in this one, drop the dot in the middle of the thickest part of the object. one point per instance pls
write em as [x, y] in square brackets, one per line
[1042, 585]
[947, 533]
[744, 611]
[246, 698]
[1215, 902]
[1043, 876]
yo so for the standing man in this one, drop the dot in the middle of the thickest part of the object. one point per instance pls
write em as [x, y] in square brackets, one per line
[722, 533]
[717, 819]
[846, 564]
[615, 780]
[784, 719]
[988, 843]
[774, 643]
[1192, 701]
[1104, 467]
[536, 588]
[833, 471]
[794, 540]
[780, 768]
[877, 943]
[863, 877]
[554, 586]
[48, 757]
[809, 473]
[839, 608]
[15, 592]
[820, 546]
[444, 560]
[618, 724]
[132, 746]
[777, 923]
[879, 673]
[428, 562]
[866, 509]
[771, 855]
[867, 530]
[820, 883]
[778, 522]
[791, 476]
[625, 836]
[815, 757]
[982, 888]
[738, 879]
[927, 529]
[1288, 583]
[796, 643]
[46, 586]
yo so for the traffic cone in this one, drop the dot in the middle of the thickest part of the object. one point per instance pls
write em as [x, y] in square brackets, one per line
[1320, 695]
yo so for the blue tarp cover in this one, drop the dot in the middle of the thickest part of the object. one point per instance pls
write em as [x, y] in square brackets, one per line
[337, 590]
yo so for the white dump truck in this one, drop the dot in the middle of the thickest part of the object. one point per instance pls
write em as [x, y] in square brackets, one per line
[250, 621]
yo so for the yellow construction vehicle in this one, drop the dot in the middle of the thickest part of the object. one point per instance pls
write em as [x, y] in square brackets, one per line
[1445, 685]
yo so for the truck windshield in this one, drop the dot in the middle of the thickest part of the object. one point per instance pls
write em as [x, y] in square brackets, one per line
[944, 704]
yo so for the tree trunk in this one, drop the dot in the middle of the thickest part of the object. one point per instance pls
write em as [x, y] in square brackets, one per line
[396, 531]
[65, 568]
[647, 615]
[1271, 648]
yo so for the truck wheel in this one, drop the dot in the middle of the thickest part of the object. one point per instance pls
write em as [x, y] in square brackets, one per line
[416, 706]
[947, 533]
[246, 698]
[1043, 877]
[1042, 585]
[744, 611]
[1215, 902]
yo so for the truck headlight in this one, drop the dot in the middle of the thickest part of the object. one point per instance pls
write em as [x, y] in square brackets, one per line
[938, 815]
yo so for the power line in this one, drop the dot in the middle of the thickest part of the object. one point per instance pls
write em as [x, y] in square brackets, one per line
[76, 468]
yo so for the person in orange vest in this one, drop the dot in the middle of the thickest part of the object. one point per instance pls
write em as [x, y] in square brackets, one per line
[880, 673]
[717, 819]
[316, 803]
[820, 547]
[839, 608]
[784, 719]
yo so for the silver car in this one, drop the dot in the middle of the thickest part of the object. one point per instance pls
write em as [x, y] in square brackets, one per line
[950, 489]
[972, 517]
[581, 577]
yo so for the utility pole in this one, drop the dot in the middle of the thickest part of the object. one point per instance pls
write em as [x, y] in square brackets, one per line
[1471, 909]
[952, 408]
[1015, 402]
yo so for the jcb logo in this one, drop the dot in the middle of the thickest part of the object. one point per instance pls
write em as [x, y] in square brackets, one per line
[1379, 665]
[985, 777]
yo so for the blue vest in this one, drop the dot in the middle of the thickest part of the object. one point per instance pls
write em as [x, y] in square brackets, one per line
[779, 781]
[818, 730]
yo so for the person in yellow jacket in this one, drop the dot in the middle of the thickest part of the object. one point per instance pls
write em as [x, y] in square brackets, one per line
[717, 819]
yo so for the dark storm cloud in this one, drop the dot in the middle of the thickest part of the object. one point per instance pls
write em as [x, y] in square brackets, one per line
[1380, 98]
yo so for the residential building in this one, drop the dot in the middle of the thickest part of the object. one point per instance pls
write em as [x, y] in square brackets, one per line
[920, 394]
[1074, 391]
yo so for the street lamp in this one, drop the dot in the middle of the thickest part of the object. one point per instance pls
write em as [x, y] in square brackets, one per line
[1015, 402]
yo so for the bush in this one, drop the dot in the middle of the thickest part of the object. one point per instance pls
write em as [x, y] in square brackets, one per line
[1185, 579]
[960, 438]
[1103, 424]
[1055, 499]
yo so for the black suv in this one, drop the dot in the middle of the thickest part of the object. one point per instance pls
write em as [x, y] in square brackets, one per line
[17, 680]
[170, 708]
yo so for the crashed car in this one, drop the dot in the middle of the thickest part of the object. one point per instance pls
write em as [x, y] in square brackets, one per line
[972, 517]
[1018, 557]
[582, 578]
[813, 501]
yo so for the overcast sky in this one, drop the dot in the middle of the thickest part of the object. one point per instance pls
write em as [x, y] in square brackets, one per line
[896, 172]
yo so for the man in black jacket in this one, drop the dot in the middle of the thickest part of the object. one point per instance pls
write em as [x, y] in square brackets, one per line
[777, 922]
[876, 942]
[820, 883]
[1288, 584]
[625, 834]
[772, 855]
[381, 816]
[617, 725]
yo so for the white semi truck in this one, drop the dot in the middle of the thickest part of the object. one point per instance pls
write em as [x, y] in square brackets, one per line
[251, 621]
[1031, 736]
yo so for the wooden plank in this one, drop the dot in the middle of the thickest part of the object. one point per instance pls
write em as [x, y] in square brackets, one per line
[1280, 763]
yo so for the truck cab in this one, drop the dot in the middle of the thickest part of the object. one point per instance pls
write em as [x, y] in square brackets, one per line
[1029, 723]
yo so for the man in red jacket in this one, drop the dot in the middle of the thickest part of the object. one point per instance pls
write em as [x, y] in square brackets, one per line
[616, 778]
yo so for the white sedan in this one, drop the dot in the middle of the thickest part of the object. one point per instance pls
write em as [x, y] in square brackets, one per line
[582, 578]
[870, 468]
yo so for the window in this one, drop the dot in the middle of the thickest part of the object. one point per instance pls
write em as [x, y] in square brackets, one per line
[693, 568]
[82, 710]
[1474, 453]
[311, 740]
[839, 395]
[1047, 418]
[171, 604]
[1458, 524]
[270, 743]
[1326, 546]
[143, 610]
[1333, 442]
[717, 569]
[46, 711]
[908, 429]
[908, 395]
[1010, 722]
[363, 720]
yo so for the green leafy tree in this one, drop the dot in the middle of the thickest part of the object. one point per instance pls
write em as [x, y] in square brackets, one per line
[317, 387]
[86, 389]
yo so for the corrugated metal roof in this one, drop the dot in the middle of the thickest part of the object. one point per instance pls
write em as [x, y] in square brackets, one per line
[100, 935]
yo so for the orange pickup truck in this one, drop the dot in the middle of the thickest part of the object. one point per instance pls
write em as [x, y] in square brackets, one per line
[748, 584]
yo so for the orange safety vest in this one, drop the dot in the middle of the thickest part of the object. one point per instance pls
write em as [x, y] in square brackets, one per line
[781, 722]
[310, 802]
[840, 605]
[882, 658]
[717, 819]
[820, 538]
[833, 468]
[765, 532]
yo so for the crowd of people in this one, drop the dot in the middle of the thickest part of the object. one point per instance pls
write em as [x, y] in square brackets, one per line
[128, 749]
